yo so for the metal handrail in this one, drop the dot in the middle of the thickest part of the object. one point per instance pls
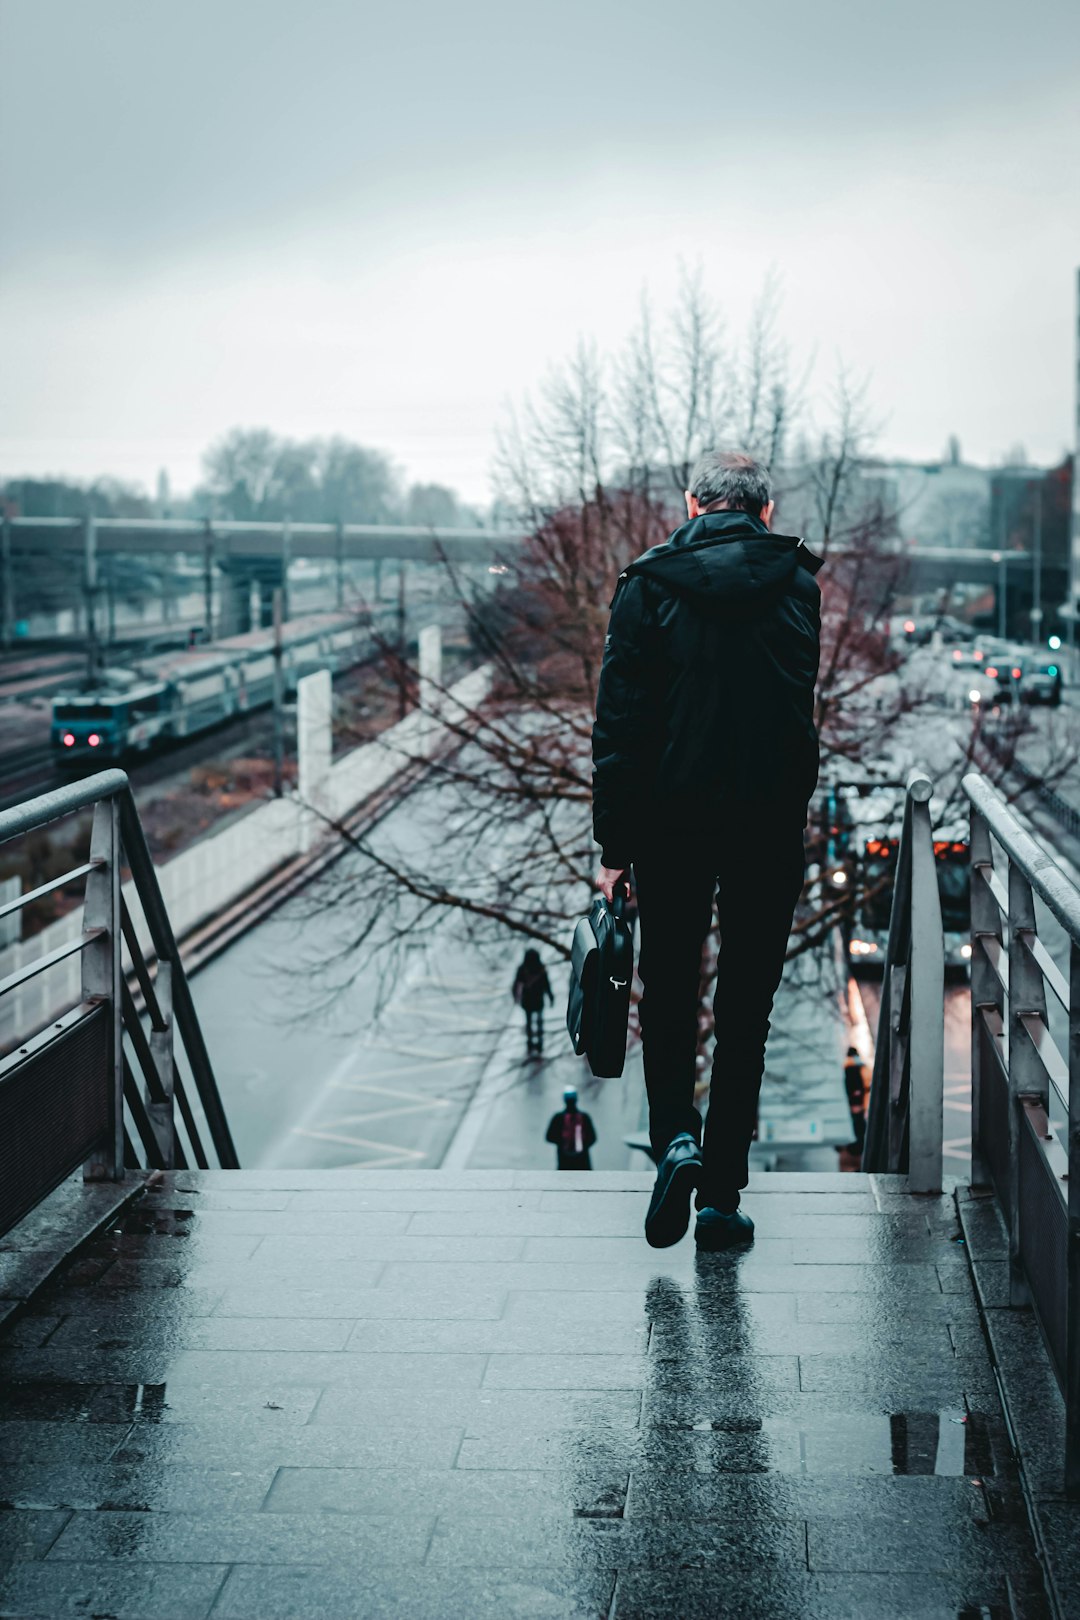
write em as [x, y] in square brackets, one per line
[904, 1123]
[61, 801]
[1017, 1067]
[117, 838]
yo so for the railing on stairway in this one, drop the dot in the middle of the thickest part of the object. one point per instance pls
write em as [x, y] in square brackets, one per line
[1025, 1076]
[904, 1125]
[69, 1094]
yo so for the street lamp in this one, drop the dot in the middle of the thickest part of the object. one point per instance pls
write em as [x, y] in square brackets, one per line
[1036, 603]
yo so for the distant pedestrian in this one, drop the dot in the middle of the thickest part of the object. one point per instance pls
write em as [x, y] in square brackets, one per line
[531, 986]
[572, 1133]
[857, 1086]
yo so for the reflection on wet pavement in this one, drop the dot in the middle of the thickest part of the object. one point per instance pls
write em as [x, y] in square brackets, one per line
[480, 1394]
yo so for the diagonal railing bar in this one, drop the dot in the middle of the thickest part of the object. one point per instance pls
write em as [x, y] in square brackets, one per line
[198, 1150]
[136, 1108]
[141, 1046]
[165, 947]
[139, 967]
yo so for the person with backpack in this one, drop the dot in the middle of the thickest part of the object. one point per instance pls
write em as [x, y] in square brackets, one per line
[705, 755]
[531, 986]
[573, 1134]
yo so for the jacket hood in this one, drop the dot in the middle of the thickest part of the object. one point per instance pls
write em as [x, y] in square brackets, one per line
[726, 558]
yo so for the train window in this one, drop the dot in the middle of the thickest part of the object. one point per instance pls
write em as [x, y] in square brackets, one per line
[84, 711]
[150, 704]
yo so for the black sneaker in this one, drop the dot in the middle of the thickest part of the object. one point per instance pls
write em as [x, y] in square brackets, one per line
[669, 1208]
[714, 1230]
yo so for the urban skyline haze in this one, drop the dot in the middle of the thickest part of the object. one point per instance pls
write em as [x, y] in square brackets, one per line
[386, 223]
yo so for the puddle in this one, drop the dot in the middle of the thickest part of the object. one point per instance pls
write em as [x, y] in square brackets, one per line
[61, 1401]
[949, 1443]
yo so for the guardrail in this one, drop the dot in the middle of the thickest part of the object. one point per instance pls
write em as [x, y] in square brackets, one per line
[904, 1124]
[69, 1095]
[1025, 1078]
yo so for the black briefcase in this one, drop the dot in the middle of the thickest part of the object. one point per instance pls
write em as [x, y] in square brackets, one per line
[601, 968]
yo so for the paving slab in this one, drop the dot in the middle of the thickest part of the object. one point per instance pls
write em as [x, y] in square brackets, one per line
[480, 1394]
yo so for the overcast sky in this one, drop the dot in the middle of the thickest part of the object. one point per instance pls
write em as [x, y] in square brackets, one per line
[385, 222]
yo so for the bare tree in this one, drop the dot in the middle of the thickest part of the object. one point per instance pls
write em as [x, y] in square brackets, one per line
[595, 467]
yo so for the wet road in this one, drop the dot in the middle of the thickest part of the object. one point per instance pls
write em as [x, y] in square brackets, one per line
[956, 1144]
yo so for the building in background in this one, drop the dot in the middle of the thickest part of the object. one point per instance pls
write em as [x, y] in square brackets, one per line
[935, 503]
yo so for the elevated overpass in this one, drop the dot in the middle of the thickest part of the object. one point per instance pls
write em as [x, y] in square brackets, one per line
[232, 557]
[235, 558]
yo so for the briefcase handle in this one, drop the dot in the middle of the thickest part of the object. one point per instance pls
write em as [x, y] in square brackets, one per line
[616, 905]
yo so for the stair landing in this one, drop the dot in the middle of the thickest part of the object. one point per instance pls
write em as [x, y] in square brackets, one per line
[436, 1394]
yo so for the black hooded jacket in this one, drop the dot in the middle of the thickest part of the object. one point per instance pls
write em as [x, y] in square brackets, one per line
[706, 695]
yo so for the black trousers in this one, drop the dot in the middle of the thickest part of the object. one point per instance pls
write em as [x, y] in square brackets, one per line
[534, 1027]
[755, 869]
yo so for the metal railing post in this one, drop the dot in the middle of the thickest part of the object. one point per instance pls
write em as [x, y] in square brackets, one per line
[926, 1049]
[1026, 995]
[1072, 1252]
[161, 1114]
[101, 978]
[985, 991]
[339, 559]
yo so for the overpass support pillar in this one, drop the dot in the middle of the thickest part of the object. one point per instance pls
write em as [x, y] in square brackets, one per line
[7, 585]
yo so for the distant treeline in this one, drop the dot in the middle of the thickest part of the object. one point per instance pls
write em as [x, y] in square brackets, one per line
[251, 474]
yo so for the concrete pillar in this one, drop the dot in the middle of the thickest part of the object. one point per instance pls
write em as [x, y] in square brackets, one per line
[286, 557]
[90, 590]
[314, 748]
[7, 585]
[208, 579]
[429, 662]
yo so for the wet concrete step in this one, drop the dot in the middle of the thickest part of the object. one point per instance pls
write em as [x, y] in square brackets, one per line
[422, 1393]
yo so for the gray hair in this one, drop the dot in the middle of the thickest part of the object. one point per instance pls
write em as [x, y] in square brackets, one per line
[731, 478]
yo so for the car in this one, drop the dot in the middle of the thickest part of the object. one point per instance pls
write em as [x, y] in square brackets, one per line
[1041, 682]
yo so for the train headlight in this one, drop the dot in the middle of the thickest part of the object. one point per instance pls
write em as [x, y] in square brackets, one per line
[965, 952]
[838, 879]
[69, 739]
[974, 696]
[93, 739]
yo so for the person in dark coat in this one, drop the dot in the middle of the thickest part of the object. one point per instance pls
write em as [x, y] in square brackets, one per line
[857, 1086]
[572, 1133]
[705, 755]
[531, 986]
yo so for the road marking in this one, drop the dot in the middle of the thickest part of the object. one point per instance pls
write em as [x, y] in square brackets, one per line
[396, 1155]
